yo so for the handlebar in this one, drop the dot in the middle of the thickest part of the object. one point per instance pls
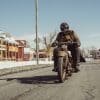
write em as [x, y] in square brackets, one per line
[65, 43]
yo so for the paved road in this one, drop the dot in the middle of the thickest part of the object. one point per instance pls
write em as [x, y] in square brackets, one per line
[42, 84]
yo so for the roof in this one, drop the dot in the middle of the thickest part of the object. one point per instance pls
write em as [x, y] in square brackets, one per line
[8, 37]
[20, 43]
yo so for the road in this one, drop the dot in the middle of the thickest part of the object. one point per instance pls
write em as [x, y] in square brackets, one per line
[42, 84]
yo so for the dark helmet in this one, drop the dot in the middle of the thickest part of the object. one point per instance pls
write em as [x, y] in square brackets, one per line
[64, 26]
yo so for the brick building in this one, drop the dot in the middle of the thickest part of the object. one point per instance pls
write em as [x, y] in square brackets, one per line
[25, 52]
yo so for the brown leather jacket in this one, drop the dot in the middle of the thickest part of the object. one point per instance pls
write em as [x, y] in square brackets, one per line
[69, 35]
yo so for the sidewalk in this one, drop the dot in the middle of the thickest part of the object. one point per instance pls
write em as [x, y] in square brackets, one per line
[10, 64]
[15, 67]
[12, 70]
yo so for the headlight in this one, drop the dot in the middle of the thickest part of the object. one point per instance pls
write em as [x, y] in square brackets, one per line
[63, 47]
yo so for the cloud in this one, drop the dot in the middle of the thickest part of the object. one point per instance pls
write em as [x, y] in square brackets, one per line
[94, 35]
[25, 37]
[28, 36]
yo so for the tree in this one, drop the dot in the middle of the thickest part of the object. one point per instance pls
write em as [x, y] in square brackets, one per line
[93, 52]
[39, 40]
[48, 40]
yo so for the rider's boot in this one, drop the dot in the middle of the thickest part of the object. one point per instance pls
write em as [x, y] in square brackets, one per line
[55, 65]
[75, 67]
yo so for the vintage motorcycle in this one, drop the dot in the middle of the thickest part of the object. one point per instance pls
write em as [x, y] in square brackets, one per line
[64, 60]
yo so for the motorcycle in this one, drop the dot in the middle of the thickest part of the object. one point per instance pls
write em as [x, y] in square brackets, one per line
[64, 61]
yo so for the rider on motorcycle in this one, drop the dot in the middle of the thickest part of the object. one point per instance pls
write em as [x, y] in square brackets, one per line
[67, 35]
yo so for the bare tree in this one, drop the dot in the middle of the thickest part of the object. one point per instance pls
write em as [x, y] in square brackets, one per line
[93, 51]
[48, 40]
[39, 40]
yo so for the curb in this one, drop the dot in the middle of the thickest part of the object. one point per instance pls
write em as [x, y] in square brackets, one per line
[12, 70]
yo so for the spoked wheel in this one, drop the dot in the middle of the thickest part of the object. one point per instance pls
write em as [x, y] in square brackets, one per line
[61, 70]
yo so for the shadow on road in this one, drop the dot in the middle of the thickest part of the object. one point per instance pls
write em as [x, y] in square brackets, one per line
[49, 79]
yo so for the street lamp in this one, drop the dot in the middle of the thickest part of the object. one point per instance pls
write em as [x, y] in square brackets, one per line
[37, 44]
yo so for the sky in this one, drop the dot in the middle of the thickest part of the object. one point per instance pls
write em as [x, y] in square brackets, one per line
[83, 16]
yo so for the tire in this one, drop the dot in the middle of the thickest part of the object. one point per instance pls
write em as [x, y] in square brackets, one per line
[61, 70]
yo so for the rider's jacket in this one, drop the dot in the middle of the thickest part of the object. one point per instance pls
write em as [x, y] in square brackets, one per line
[69, 35]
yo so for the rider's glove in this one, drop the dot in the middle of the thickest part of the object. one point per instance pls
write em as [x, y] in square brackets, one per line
[54, 44]
[75, 44]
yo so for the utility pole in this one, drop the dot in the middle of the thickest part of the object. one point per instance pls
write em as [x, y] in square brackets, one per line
[37, 42]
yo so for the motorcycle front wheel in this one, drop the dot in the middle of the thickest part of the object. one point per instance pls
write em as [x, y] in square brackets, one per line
[61, 70]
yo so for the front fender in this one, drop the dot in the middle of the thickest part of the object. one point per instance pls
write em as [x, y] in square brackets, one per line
[62, 53]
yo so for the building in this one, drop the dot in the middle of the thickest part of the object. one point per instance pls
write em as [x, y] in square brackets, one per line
[3, 49]
[8, 47]
[96, 54]
[28, 54]
[14, 50]
[20, 56]
[25, 52]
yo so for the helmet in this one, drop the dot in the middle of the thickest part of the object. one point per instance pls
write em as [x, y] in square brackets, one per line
[64, 26]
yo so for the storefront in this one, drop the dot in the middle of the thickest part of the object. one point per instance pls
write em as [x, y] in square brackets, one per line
[8, 47]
